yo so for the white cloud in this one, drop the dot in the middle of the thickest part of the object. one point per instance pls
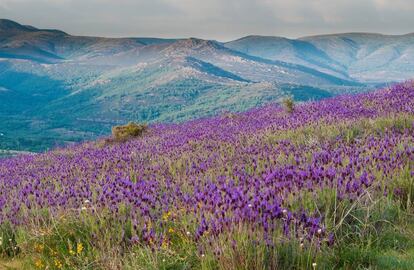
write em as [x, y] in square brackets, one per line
[220, 19]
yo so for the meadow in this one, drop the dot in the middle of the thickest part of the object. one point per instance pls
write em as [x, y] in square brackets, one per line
[319, 185]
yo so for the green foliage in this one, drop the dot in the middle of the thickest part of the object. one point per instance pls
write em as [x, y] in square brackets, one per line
[67, 244]
[8, 243]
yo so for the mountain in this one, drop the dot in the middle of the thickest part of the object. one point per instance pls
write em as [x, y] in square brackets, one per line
[290, 51]
[362, 57]
[57, 88]
[370, 57]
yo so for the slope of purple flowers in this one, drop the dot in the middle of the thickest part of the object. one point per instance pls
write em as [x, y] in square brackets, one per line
[211, 177]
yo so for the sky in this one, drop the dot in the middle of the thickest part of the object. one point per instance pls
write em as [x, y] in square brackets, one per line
[213, 19]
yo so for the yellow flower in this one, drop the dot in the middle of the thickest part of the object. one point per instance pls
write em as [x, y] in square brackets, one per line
[39, 248]
[164, 243]
[39, 263]
[166, 216]
[71, 252]
[79, 248]
[58, 264]
[171, 230]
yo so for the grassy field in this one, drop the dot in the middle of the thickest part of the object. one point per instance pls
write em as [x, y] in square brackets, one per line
[321, 185]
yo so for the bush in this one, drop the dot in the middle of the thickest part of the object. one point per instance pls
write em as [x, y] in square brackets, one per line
[289, 104]
[125, 132]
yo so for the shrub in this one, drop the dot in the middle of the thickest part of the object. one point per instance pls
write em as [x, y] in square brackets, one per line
[125, 132]
[289, 104]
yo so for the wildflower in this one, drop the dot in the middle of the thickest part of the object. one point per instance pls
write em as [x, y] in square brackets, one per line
[39, 248]
[71, 252]
[134, 239]
[86, 201]
[249, 205]
[314, 265]
[171, 230]
[58, 264]
[79, 248]
[84, 208]
[319, 231]
[166, 216]
[39, 263]
[331, 239]
[188, 233]
[202, 255]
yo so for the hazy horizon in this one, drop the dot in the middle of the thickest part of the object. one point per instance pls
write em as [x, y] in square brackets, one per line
[187, 37]
[215, 19]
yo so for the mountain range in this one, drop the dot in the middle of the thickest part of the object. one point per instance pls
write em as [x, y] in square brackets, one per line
[56, 88]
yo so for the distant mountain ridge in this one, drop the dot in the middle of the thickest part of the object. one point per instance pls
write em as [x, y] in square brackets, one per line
[58, 88]
[364, 57]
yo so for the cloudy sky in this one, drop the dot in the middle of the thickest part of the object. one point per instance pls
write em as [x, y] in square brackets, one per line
[213, 19]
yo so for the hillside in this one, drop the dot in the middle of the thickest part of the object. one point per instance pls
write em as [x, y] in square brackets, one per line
[327, 186]
[61, 89]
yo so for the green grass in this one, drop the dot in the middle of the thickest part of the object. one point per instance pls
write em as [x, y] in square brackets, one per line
[368, 236]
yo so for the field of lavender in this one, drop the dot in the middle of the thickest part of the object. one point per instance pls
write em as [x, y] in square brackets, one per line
[328, 185]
